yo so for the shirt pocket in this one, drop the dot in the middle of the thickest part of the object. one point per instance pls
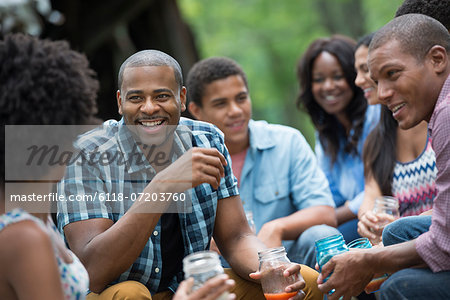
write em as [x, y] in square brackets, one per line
[272, 191]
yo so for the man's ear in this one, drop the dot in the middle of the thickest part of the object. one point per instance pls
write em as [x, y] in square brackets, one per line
[183, 98]
[195, 110]
[438, 58]
[119, 101]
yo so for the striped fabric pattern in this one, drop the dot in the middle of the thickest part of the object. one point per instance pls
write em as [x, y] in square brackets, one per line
[414, 183]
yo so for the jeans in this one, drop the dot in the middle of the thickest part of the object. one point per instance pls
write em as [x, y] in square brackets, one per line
[405, 229]
[412, 283]
[349, 230]
[416, 284]
[303, 250]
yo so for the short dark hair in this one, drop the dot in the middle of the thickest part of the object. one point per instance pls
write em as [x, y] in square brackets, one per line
[365, 40]
[437, 9]
[151, 58]
[44, 82]
[343, 48]
[208, 70]
[415, 33]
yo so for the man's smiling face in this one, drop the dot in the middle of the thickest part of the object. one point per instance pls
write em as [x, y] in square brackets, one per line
[405, 84]
[150, 100]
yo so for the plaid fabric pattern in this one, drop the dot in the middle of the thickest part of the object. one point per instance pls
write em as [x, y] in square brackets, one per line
[434, 246]
[131, 173]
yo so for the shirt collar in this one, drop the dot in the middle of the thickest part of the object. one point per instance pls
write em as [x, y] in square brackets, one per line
[441, 100]
[133, 156]
[259, 137]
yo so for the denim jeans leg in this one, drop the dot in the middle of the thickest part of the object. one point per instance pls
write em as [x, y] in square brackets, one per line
[303, 249]
[405, 229]
[417, 284]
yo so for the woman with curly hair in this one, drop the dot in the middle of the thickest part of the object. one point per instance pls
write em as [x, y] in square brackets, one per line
[342, 119]
[41, 83]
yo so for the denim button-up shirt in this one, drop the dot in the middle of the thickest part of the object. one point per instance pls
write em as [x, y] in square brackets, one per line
[280, 175]
[346, 175]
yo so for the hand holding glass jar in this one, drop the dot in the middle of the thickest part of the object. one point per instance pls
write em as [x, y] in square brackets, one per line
[273, 263]
[386, 211]
[202, 266]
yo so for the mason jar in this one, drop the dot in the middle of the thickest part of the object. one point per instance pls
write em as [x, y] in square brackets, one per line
[375, 284]
[328, 247]
[272, 263]
[202, 266]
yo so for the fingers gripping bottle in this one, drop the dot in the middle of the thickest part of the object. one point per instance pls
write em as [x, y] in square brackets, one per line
[272, 263]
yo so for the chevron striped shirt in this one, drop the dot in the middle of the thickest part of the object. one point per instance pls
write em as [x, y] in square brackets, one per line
[414, 183]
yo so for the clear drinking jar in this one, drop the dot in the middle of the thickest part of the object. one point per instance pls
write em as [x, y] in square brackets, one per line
[386, 209]
[202, 266]
[272, 263]
[377, 281]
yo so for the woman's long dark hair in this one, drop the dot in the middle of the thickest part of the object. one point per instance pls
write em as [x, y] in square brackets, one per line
[329, 128]
[379, 153]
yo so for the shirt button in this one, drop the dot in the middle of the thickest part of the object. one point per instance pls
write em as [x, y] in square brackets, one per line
[155, 233]
[156, 270]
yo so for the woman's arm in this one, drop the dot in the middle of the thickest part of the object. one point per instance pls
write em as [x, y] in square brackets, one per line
[28, 262]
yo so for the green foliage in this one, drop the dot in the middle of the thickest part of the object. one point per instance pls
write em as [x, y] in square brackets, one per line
[268, 37]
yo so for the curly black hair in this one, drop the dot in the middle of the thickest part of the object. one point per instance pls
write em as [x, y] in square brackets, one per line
[208, 70]
[329, 128]
[44, 82]
[437, 9]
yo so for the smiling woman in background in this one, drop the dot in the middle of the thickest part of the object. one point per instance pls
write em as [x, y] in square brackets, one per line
[342, 120]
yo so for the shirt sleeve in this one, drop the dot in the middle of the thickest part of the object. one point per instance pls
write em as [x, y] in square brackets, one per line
[228, 184]
[81, 190]
[356, 202]
[309, 184]
[434, 245]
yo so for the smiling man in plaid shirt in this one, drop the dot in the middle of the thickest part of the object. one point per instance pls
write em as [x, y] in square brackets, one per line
[125, 234]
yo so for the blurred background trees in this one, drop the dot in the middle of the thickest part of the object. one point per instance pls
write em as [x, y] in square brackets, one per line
[266, 37]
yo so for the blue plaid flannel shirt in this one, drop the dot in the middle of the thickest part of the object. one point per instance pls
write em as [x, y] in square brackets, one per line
[83, 179]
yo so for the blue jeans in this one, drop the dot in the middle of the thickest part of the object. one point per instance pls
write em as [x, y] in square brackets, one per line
[416, 284]
[412, 283]
[349, 230]
[303, 249]
[405, 229]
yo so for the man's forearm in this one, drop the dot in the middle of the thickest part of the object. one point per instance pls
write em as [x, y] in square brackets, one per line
[244, 257]
[113, 251]
[396, 257]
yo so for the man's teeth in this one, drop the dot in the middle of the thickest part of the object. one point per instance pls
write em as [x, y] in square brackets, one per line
[368, 90]
[152, 123]
[396, 108]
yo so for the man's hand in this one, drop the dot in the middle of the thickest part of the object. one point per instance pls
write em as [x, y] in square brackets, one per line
[350, 274]
[196, 166]
[292, 270]
[271, 234]
[211, 290]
